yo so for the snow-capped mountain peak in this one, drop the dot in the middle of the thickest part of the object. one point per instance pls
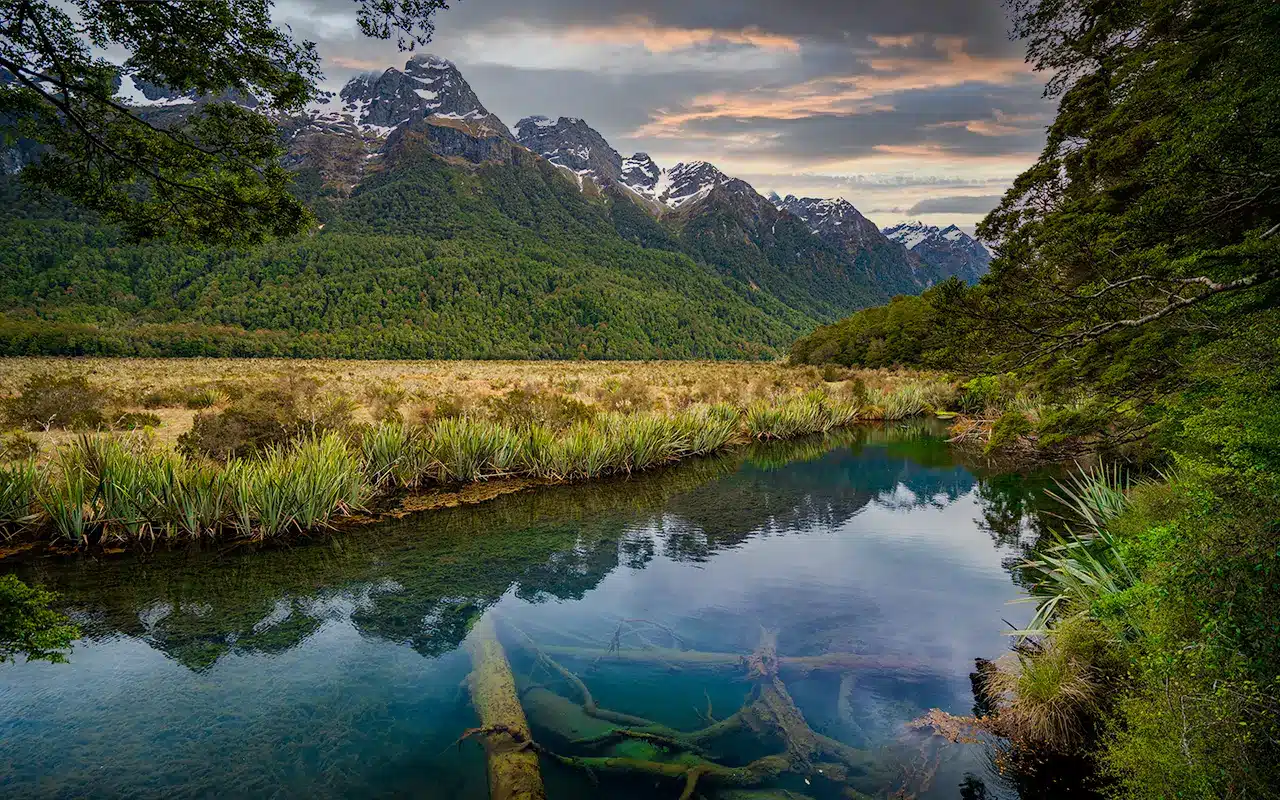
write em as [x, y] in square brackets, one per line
[688, 182]
[640, 174]
[834, 218]
[427, 87]
[571, 143]
[911, 233]
[960, 253]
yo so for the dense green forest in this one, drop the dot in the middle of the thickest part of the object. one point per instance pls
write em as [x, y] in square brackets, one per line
[424, 260]
[1133, 308]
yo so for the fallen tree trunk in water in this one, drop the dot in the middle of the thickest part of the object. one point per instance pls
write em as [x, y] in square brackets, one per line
[797, 665]
[512, 760]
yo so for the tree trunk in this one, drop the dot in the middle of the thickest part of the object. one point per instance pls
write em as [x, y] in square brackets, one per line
[513, 763]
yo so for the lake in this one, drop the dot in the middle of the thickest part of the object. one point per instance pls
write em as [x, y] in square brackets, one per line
[879, 562]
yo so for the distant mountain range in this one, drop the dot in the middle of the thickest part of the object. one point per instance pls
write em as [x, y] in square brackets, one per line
[413, 158]
[950, 250]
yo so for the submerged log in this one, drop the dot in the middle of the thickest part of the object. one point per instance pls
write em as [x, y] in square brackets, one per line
[772, 710]
[688, 771]
[770, 714]
[562, 717]
[512, 761]
[693, 659]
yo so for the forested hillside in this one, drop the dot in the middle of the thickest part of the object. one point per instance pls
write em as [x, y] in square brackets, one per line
[431, 231]
[424, 260]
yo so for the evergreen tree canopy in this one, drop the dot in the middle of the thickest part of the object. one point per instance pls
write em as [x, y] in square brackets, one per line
[1151, 216]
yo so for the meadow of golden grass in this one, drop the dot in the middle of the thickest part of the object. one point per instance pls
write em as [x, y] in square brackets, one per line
[658, 385]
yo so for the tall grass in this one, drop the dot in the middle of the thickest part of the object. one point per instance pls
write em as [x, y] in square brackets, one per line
[1086, 566]
[463, 449]
[814, 412]
[1046, 693]
[20, 488]
[297, 489]
[101, 487]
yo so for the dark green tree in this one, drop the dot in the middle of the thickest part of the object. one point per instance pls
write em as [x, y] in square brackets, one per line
[210, 170]
[28, 626]
[1148, 225]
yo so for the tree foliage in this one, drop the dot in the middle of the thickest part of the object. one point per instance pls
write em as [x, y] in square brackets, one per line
[1156, 195]
[208, 168]
[28, 626]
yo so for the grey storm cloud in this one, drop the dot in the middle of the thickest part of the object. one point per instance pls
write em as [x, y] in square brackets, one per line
[956, 204]
[982, 22]
[962, 121]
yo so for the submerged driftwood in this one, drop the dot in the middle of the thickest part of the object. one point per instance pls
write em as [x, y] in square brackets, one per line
[512, 759]
[798, 666]
[684, 757]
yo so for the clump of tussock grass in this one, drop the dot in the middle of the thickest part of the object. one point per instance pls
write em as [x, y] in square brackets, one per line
[21, 484]
[1086, 566]
[813, 412]
[205, 397]
[905, 401]
[393, 457]
[463, 449]
[296, 489]
[1049, 693]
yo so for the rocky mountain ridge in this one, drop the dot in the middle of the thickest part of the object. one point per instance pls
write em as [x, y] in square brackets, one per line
[949, 249]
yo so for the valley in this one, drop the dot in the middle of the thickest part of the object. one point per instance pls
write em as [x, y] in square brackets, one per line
[440, 233]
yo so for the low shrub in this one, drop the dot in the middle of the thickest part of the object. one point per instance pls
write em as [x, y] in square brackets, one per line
[526, 406]
[18, 446]
[384, 399]
[269, 418]
[988, 395]
[1008, 431]
[51, 401]
[169, 397]
[134, 420]
[446, 406]
[629, 395]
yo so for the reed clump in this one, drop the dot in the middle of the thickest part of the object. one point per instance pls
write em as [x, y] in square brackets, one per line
[233, 479]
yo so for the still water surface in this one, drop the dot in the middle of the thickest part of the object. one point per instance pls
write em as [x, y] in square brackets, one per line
[334, 668]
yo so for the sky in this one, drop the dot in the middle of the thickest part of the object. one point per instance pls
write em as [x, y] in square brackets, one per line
[919, 109]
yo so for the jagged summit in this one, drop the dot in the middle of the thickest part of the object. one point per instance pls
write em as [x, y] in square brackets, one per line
[431, 61]
[640, 174]
[949, 249]
[429, 86]
[825, 214]
[910, 232]
[373, 103]
[688, 182]
[571, 143]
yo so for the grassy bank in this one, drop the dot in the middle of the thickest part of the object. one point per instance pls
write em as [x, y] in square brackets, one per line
[293, 454]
